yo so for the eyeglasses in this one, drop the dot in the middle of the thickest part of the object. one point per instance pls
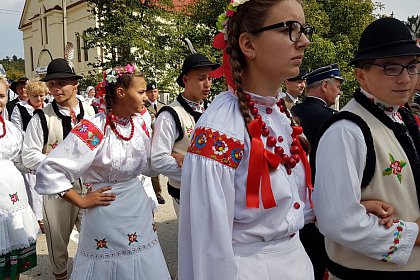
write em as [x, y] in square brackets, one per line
[397, 69]
[295, 29]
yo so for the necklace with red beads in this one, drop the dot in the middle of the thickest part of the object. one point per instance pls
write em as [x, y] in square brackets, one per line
[288, 161]
[111, 119]
[4, 127]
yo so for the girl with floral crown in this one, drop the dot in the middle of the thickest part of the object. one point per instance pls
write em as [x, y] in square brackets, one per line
[118, 237]
[246, 184]
[18, 224]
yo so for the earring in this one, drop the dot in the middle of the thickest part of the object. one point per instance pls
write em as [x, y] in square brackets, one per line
[251, 55]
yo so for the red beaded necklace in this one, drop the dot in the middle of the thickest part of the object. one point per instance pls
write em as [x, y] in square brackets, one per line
[288, 161]
[4, 127]
[110, 120]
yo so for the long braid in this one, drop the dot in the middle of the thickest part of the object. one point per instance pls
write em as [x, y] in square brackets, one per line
[108, 100]
[235, 60]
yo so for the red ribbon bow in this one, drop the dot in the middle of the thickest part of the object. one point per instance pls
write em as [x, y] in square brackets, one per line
[260, 163]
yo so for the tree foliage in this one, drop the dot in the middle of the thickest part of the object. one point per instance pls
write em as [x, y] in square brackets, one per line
[15, 67]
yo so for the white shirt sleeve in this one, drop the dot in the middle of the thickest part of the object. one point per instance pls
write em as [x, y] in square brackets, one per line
[163, 142]
[33, 144]
[206, 220]
[16, 118]
[340, 161]
[64, 165]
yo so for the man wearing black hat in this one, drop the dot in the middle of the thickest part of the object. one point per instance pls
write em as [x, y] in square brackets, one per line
[323, 87]
[18, 87]
[153, 106]
[175, 122]
[45, 131]
[295, 87]
[370, 151]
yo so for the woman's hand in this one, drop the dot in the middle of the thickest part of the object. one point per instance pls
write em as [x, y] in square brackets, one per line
[97, 198]
[179, 159]
[380, 209]
[91, 199]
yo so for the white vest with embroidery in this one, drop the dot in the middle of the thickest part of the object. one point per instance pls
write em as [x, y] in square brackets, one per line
[187, 124]
[396, 189]
[55, 127]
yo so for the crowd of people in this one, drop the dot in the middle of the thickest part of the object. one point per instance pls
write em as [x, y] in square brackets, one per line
[266, 184]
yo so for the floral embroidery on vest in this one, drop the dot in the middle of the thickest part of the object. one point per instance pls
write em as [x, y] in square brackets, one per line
[395, 167]
[394, 247]
[101, 243]
[132, 238]
[189, 131]
[14, 197]
[88, 133]
[216, 146]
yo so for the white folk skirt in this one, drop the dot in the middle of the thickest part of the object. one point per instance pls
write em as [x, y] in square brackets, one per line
[18, 225]
[274, 260]
[119, 241]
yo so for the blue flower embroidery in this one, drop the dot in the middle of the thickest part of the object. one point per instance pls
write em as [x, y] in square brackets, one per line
[201, 140]
[83, 128]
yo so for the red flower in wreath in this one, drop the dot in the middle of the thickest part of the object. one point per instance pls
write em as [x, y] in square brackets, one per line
[101, 243]
[132, 238]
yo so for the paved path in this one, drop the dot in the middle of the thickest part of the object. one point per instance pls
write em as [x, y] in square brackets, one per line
[167, 228]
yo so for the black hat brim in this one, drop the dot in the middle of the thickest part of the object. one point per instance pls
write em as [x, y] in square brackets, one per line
[213, 66]
[396, 51]
[59, 76]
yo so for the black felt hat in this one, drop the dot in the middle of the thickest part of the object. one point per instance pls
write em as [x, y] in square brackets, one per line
[60, 69]
[300, 76]
[383, 38]
[151, 86]
[194, 60]
[20, 81]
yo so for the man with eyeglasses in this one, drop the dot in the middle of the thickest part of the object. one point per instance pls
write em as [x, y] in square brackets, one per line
[45, 131]
[370, 151]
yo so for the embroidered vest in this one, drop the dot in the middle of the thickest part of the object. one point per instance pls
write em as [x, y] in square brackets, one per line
[55, 126]
[392, 182]
[187, 124]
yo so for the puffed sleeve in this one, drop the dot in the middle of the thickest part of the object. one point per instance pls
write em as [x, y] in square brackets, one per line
[69, 160]
[340, 216]
[207, 206]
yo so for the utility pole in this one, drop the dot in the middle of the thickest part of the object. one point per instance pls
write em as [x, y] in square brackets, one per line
[64, 3]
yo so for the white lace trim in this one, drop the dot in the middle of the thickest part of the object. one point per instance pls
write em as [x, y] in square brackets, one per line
[18, 246]
[126, 252]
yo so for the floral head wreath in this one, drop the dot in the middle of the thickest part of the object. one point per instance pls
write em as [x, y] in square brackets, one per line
[221, 38]
[110, 77]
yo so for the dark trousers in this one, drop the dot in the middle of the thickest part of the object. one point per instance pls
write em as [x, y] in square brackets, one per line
[314, 244]
[156, 185]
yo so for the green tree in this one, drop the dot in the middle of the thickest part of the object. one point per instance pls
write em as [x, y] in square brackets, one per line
[413, 23]
[15, 68]
[338, 27]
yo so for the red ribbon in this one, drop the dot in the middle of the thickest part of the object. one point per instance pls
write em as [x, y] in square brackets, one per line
[260, 163]
[308, 173]
[224, 70]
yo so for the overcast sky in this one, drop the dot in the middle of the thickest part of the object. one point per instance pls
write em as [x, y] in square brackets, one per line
[11, 38]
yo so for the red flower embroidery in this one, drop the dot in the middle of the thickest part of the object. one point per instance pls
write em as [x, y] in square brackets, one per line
[100, 244]
[132, 238]
[397, 236]
[395, 168]
[14, 198]
[26, 265]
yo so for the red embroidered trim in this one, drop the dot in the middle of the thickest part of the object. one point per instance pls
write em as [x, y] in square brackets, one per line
[216, 146]
[88, 133]
[394, 247]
